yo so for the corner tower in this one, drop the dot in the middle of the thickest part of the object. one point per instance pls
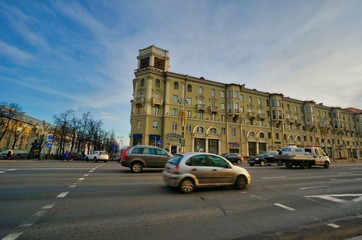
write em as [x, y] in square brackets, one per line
[153, 56]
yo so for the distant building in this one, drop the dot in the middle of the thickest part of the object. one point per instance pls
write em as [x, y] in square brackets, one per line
[179, 112]
[21, 132]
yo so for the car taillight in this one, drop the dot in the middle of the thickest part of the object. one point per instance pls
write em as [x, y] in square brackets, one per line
[177, 169]
[124, 154]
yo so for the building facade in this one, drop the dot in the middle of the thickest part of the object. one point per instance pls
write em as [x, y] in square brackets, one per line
[182, 113]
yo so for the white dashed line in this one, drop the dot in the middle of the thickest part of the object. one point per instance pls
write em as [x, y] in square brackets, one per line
[81, 179]
[2, 171]
[333, 225]
[73, 186]
[12, 236]
[285, 207]
[305, 188]
[49, 206]
[86, 175]
[63, 194]
[265, 178]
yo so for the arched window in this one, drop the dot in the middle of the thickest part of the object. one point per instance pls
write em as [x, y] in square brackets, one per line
[175, 85]
[200, 129]
[213, 131]
[212, 92]
[261, 135]
[251, 134]
[200, 90]
[142, 84]
[158, 83]
[291, 138]
[189, 88]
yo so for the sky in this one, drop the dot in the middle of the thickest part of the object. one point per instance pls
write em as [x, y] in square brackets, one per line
[81, 55]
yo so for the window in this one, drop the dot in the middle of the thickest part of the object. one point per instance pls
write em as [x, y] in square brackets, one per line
[174, 112]
[235, 94]
[279, 103]
[189, 113]
[155, 125]
[213, 117]
[242, 97]
[200, 101]
[223, 131]
[189, 101]
[200, 129]
[175, 85]
[188, 128]
[223, 118]
[156, 95]
[213, 131]
[218, 162]
[158, 83]
[175, 99]
[142, 84]
[138, 124]
[156, 110]
[174, 126]
[200, 115]
[200, 90]
[222, 94]
[141, 95]
[222, 106]
[261, 135]
[213, 104]
[189, 88]
[233, 132]
[252, 134]
[250, 99]
[212, 92]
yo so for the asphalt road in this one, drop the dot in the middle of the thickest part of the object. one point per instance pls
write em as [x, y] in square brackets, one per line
[79, 200]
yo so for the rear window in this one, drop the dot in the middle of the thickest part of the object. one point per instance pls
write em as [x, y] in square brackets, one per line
[175, 160]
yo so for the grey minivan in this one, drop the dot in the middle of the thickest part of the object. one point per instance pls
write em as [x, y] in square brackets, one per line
[139, 157]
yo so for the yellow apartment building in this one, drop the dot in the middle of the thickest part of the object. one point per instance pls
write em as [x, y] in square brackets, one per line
[182, 113]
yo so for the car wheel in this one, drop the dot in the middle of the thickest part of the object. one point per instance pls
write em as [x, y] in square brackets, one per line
[304, 165]
[289, 165]
[241, 182]
[251, 164]
[239, 162]
[262, 163]
[187, 185]
[136, 167]
[95, 159]
[326, 164]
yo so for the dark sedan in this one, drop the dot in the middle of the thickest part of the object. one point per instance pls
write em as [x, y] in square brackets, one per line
[234, 158]
[264, 159]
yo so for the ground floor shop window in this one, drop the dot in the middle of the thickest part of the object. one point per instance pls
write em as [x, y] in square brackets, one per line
[213, 146]
[262, 147]
[199, 145]
[252, 148]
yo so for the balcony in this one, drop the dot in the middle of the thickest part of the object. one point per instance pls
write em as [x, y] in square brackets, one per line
[200, 107]
[213, 109]
[251, 115]
[261, 116]
[139, 101]
[233, 112]
[157, 101]
[290, 120]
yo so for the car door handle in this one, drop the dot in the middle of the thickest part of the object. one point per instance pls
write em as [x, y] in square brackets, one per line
[214, 170]
[194, 170]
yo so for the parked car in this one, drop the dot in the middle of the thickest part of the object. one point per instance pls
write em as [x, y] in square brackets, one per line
[235, 158]
[75, 156]
[97, 155]
[139, 157]
[264, 159]
[193, 170]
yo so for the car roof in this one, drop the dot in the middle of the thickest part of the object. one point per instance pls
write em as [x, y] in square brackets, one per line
[190, 154]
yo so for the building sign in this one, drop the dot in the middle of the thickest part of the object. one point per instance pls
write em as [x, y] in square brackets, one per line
[173, 137]
[234, 144]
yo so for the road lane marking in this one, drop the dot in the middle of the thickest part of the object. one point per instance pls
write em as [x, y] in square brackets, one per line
[73, 186]
[273, 177]
[257, 197]
[49, 206]
[81, 179]
[62, 195]
[2, 171]
[86, 175]
[285, 207]
[12, 236]
[338, 198]
[333, 225]
[305, 188]
[30, 222]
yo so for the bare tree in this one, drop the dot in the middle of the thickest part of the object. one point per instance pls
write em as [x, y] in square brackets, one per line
[62, 123]
[7, 113]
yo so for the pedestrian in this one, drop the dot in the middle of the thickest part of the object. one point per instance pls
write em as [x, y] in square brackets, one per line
[66, 155]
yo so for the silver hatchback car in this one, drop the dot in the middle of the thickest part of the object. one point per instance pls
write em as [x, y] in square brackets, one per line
[192, 170]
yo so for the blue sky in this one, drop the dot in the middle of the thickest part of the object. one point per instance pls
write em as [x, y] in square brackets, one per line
[81, 55]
